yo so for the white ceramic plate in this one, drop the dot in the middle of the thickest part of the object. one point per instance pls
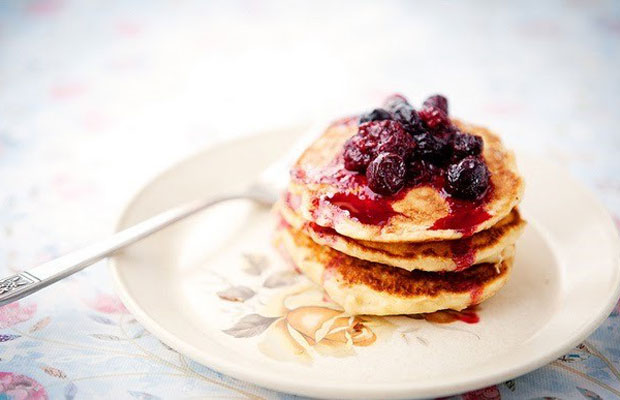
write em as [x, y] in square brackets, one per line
[180, 282]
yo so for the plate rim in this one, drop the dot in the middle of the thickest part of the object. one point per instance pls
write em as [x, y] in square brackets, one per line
[332, 389]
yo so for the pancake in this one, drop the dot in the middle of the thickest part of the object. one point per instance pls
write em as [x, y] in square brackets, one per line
[363, 287]
[453, 255]
[331, 196]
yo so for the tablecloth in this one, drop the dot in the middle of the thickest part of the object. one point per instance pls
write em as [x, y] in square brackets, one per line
[97, 97]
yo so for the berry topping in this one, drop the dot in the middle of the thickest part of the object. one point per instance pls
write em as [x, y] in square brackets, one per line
[464, 145]
[419, 172]
[409, 118]
[431, 148]
[386, 136]
[468, 179]
[378, 114]
[356, 155]
[386, 174]
[395, 146]
[373, 138]
[437, 101]
[394, 139]
[435, 118]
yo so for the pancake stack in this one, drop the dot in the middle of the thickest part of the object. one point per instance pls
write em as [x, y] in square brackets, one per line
[420, 249]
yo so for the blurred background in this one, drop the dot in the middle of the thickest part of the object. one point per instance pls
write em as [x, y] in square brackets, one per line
[96, 97]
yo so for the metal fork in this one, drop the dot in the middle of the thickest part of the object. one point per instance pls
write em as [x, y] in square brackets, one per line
[264, 190]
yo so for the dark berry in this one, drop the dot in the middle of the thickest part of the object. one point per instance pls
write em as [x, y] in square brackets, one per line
[386, 136]
[373, 138]
[431, 148]
[468, 179]
[356, 157]
[386, 174]
[419, 172]
[409, 118]
[435, 118]
[397, 142]
[394, 101]
[378, 114]
[464, 145]
[437, 101]
[445, 133]
[404, 113]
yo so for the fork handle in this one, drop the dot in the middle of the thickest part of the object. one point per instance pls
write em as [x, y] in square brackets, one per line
[22, 284]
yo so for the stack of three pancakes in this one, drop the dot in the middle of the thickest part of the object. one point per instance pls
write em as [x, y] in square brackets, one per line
[419, 251]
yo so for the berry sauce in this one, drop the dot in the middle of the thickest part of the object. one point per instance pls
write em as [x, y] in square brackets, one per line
[365, 209]
[369, 208]
[395, 149]
[475, 294]
[353, 195]
[322, 231]
[468, 315]
[464, 215]
[463, 253]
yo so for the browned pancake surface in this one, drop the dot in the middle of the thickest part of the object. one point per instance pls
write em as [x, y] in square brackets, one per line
[397, 281]
[453, 255]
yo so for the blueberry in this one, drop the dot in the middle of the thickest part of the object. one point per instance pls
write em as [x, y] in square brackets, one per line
[464, 144]
[386, 174]
[431, 148]
[409, 119]
[378, 114]
[419, 172]
[468, 179]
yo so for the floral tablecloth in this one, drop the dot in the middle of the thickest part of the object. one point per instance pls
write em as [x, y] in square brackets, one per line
[96, 97]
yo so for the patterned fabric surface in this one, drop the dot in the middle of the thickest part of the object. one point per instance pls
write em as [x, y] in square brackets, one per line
[96, 97]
